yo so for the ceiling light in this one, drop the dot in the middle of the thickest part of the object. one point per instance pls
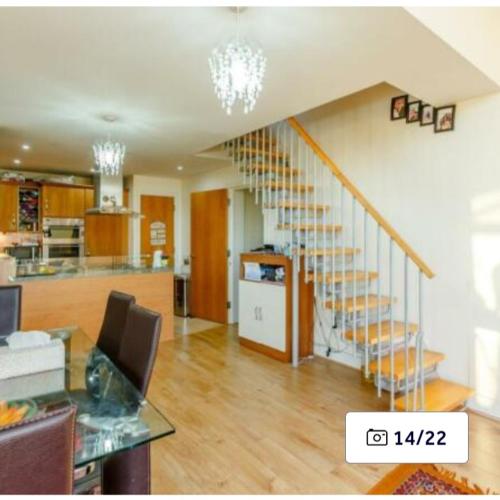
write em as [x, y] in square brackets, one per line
[180, 167]
[16, 161]
[108, 157]
[237, 71]
[25, 147]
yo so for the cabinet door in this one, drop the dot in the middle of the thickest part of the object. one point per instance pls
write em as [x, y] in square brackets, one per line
[106, 235]
[8, 207]
[63, 201]
[89, 198]
[263, 313]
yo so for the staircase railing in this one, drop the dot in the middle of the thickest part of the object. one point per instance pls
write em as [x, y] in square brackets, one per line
[284, 166]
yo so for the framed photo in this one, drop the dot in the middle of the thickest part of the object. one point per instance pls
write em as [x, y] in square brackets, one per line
[426, 115]
[413, 111]
[444, 119]
[398, 107]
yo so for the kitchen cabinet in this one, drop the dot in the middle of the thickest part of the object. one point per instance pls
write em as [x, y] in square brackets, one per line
[63, 201]
[89, 198]
[106, 235]
[9, 194]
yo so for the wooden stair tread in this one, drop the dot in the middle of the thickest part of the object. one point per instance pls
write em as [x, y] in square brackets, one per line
[262, 152]
[385, 331]
[285, 186]
[338, 277]
[329, 228]
[373, 302]
[274, 169]
[431, 358]
[296, 204]
[440, 395]
[311, 252]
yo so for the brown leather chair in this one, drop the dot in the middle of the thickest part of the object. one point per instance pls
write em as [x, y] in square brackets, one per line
[129, 472]
[10, 309]
[113, 324]
[37, 455]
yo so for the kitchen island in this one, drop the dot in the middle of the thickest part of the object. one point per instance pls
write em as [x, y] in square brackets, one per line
[58, 293]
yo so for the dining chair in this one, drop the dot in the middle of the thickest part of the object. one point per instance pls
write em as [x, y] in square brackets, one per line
[129, 472]
[10, 309]
[113, 323]
[37, 455]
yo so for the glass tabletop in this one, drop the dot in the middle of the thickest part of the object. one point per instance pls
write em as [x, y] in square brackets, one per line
[112, 415]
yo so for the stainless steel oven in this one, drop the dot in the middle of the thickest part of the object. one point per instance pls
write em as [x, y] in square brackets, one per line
[63, 237]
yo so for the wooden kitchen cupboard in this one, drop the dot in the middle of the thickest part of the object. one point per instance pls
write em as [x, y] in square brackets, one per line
[106, 235]
[63, 201]
[8, 207]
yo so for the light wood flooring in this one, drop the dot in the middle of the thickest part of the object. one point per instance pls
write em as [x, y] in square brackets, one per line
[248, 424]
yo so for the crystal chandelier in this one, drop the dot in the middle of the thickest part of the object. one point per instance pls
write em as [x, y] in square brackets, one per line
[237, 71]
[108, 157]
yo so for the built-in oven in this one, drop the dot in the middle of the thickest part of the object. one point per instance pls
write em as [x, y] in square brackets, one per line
[63, 238]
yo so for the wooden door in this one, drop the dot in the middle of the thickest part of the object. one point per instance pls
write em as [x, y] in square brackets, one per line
[8, 207]
[63, 201]
[157, 226]
[106, 235]
[209, 255]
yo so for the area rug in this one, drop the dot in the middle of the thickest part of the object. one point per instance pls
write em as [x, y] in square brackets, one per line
[425, 479]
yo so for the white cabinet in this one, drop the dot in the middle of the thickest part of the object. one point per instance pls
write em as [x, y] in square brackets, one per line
[262, 313]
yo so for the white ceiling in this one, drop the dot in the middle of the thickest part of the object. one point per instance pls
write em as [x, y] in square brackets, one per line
[63, 68]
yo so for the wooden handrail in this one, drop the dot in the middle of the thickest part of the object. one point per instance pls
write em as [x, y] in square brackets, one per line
[360, 198]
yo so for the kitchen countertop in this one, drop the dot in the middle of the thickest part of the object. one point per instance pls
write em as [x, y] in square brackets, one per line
[56, 269]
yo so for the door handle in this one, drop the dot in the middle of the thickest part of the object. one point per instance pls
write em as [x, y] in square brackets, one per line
[255, 313]
[260, 313]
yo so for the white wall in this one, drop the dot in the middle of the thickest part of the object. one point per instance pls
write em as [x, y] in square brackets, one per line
[442, 193]
[156, 186]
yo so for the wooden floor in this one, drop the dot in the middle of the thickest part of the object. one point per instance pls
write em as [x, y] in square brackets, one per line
[249, 424]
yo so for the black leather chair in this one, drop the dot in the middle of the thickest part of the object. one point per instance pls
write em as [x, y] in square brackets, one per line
[10, 309]
[37, 455]
[129, 472]
[113, 324]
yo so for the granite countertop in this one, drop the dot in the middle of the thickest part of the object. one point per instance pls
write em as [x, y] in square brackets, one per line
[84, 267]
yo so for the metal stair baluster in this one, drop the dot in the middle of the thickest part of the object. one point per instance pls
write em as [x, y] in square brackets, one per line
[421, 329]
[365, 266]
[391, 290]
[354, 283]
[342, 246]
[379, 318]
[406, 333]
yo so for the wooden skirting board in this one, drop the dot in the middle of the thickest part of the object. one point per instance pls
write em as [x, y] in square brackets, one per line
[55, 303]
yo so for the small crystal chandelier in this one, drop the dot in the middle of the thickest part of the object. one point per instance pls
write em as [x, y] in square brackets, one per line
[108, 157]
[237, 71]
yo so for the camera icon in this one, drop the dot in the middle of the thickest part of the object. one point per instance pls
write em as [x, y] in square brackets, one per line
[376, 437]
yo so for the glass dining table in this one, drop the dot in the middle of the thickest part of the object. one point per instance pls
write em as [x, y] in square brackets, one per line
[112, 415]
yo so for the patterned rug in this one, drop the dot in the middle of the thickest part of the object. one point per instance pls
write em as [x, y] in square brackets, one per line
[423, 479]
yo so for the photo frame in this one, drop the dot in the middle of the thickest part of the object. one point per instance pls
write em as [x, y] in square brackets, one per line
[413, 110]
[444, 119]
[398, 107]
[426, 115]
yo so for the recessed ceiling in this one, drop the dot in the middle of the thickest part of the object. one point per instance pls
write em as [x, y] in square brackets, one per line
[64, 69]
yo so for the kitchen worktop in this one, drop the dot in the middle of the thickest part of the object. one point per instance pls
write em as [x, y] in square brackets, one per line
[58, 269]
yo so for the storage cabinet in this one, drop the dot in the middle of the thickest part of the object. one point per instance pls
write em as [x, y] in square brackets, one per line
[63, 201]
[9, 206]
[265, 310]
[263, 313]
[106, 235]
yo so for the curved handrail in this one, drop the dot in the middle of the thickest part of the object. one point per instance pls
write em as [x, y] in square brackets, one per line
[405, 247]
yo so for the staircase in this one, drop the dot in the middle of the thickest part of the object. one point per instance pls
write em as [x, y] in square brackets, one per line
[368, 282]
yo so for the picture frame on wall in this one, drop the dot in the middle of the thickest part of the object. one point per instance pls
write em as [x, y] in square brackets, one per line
[398, 107]
[426, 115]
[413, 111]
[444, 119]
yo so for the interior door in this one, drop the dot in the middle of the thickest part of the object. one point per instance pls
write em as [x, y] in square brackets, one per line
[209, 255]
[157, 226]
